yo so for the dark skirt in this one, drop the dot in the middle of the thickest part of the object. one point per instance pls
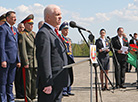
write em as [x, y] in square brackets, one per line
[104, 62]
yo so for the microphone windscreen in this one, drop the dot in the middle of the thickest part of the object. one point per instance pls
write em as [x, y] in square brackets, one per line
[130, 35]
[72, 24]
[108, 37]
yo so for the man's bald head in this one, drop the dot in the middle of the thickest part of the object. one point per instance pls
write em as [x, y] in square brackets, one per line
[49, 10]
[52, 15]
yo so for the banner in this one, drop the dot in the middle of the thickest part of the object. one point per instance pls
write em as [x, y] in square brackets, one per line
[93, 53]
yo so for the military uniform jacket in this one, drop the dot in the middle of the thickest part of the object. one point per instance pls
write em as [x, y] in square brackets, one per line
[27, 48]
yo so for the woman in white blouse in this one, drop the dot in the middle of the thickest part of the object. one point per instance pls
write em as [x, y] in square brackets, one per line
[103, 48]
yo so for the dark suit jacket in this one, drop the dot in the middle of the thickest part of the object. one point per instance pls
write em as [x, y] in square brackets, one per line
[8, 44]
[117, 46]
[99, 45]
[51, 56]
[132, 42]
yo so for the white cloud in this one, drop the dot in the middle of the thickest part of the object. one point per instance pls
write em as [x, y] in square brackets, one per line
[36, 9]
[3, 10]
[129, 13]
[102, 17]
[82, 20]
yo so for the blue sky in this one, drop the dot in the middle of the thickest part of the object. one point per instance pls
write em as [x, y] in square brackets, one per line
[90, 14]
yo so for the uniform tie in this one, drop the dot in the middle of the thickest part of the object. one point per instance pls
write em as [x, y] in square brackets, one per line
[13, 31]
[60, 37]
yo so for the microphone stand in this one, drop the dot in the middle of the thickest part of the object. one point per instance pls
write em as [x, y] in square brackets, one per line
[83, 37]
[95, 66]
[114, 55]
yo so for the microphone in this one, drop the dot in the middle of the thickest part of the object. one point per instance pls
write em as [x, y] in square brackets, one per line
[108, 37]
[131, 36]
[74, 25]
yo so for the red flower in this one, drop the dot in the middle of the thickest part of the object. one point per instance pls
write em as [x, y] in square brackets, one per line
[125, 40]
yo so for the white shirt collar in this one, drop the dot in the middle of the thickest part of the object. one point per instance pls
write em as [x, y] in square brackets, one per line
[121, 40]
[120, 37]
[9, 24]
[53, 28]
[103, 41]
[135, 42]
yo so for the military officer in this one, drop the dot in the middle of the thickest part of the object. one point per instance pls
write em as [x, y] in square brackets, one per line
[28, 58]
[67, 41]
[19, 88]
[2, 19]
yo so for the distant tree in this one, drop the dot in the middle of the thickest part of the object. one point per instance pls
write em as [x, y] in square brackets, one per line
[80, 49]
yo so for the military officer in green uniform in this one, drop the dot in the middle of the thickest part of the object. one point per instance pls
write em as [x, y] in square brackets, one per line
[27, 50]
[2, 19]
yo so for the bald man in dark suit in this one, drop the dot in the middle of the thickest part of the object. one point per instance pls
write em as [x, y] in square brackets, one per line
[51, 56]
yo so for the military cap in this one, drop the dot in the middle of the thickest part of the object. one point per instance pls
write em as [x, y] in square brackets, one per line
[28, 19]
[64, 25]
[3, 17]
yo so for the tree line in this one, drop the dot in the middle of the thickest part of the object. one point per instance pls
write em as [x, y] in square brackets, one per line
[81, 49]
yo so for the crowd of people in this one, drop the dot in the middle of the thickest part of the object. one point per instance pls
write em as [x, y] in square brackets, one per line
[120, 57]
[35, 61]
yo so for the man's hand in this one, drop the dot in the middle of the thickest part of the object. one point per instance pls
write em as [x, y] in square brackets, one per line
[18, 65]
[47, 90]
[26, 66]
[126, 52]
[107, 50]
[4, 64]
[100, 50]
[119, 51]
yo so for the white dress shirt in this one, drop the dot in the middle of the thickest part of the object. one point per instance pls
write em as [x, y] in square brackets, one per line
[121, 40]
[103, 41]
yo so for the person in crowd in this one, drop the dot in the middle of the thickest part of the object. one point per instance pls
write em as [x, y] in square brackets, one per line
[20, 27]
[64, 28]
[9, 57]
[40, 24]
[127, 65]
[2, 19]
[51, 56]
[118, 42]
[103, 48]
[19, 88]
[133, 41]
[27, 51]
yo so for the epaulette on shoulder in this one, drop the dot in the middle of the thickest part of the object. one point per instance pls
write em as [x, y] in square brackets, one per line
[33, 32]
[22, 32]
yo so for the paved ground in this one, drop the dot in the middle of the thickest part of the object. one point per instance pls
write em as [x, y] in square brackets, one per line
[81, 86]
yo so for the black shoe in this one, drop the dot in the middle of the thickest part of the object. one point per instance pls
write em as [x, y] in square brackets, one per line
[20, 97]
[121, 86]
[103, 89]
[72, 94]
[65, 94]
[116, 87]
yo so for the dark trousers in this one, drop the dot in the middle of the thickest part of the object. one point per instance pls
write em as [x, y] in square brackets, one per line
[29, 79]
[55, 96]
[19, 88]
[120, 72]
[67, 89]
[7, 76]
